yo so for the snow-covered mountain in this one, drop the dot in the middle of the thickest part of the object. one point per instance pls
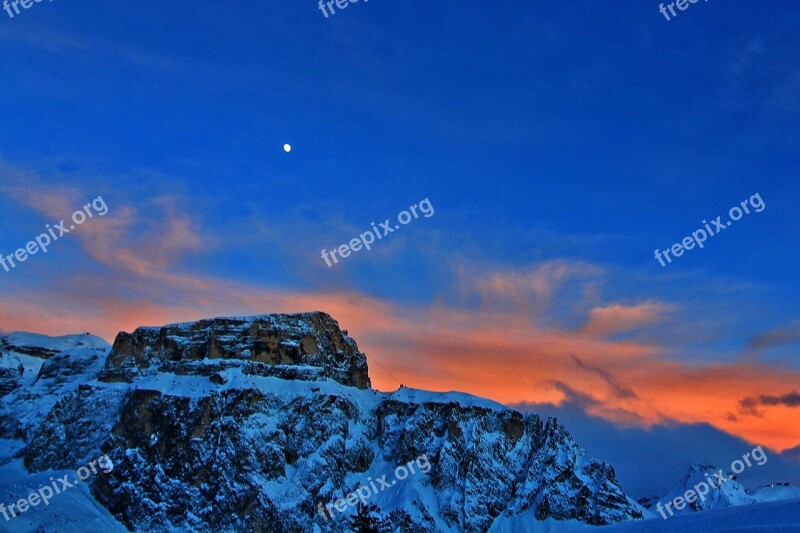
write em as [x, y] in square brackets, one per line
[728, 494]
[258, 423]
[22, 355]
[36, 370]
[774, 493]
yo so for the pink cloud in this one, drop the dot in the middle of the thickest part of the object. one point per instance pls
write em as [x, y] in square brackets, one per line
[612, 319]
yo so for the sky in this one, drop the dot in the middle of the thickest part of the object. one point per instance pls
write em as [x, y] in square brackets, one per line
[558, 145]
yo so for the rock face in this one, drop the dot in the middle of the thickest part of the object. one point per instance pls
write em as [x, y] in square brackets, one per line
[21, 351]
[307, 346]
[38, 371]
[257, 424]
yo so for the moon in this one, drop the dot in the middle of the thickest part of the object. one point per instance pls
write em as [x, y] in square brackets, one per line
[287, 148]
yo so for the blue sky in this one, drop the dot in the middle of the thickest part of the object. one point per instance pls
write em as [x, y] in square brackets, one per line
[559, 144]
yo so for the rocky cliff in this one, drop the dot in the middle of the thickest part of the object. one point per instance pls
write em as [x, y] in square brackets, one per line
[307, 346]
[259, 423]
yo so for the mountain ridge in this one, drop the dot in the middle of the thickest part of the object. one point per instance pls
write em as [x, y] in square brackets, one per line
[249, 423]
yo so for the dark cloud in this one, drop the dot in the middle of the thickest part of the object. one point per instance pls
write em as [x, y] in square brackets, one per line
[750, 405]
[772, 338]
[619, 390]
[588, 403]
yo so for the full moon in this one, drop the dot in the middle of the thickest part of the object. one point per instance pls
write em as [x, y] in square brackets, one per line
[287, 148]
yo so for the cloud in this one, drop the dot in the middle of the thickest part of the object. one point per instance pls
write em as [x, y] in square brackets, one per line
[613, 319]
[496, 339]
[773, 338]
[537, 284]
[750, 405]
[147, 240]
[593, 406]
[555, 285]
[792, 453]
[649, 460]
[619, 390]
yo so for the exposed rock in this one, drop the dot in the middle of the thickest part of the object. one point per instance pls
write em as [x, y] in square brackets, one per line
[304, 346]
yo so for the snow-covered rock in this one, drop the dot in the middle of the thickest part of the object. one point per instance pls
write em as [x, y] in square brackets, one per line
[731, 493]
[255, 423]
[22, 355]
[774, 493]
[46, 368]
[307, 346]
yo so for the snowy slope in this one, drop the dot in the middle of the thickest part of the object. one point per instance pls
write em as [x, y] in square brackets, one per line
[22, 355]
[729, 494]
[774, 493]
[773, 517]
[53, 367]
[73, 510]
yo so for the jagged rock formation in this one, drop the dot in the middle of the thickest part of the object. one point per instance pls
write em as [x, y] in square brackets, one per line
[39, 370]
[15, 351]
[308, 347]
[255, 424]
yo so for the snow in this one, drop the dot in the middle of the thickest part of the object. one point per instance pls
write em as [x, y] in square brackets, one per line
[730, 494]
[74, 509]
[419, 396]
[773, 517]
[17, 342]
[299, 318]
[200, 386]
[527, 522]
[59, 344]
[772, 493]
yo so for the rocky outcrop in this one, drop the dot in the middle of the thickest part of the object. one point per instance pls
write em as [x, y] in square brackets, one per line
[307, 346]
[26, 344]
[15, 347]
[10, 376]
[44, 370]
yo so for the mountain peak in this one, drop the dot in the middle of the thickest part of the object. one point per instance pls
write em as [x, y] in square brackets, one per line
[306, 346]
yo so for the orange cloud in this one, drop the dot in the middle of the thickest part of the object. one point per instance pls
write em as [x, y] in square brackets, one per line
[504, 347]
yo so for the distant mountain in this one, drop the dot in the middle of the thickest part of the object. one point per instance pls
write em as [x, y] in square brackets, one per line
[774, 493]
[262, 423]
[22, 355]
[728, 494]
